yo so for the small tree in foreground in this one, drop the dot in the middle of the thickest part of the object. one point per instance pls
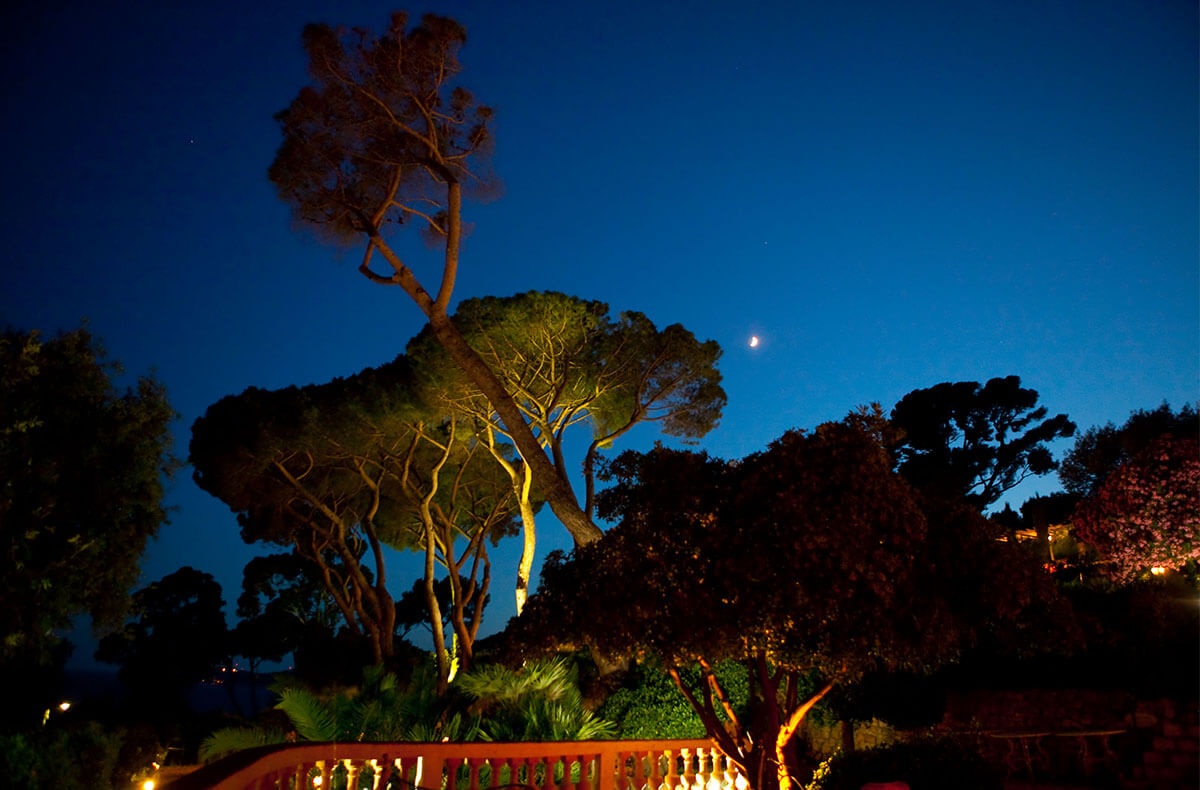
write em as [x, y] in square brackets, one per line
[811, 564]
[797, 562]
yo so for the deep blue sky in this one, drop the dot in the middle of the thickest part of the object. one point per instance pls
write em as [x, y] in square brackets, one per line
[890, 194]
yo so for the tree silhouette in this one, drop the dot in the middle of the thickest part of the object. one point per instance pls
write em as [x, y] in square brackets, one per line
[81, 485]
[965, 440]
[386, 136]
[811, 563]
[776, 562]
[1100, 450]
[176, 639]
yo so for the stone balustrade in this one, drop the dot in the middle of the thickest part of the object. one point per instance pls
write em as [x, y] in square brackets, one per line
[569, 765]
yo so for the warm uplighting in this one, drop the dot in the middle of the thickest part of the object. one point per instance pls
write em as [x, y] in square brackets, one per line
[1158, 570]
[64, 706]
[316, 781]
[741, 783]
[148, 784]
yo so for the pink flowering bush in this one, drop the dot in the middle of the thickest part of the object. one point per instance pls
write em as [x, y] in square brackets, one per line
[1147, 513]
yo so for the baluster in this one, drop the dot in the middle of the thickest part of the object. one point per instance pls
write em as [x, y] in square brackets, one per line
[569, 781]
[671, 779]
[585, 765]
[728, 772]
[703, 773]
[656, 778]
[473, 773]
[384, 773]
[688, 776]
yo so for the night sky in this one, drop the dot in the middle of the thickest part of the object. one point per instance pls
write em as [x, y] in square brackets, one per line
[889, 194]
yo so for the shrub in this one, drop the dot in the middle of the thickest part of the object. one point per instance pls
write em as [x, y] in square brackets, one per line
[649, 706]
[76, 758]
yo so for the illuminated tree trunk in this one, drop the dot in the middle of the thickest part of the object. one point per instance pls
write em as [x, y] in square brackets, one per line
[558, 491]
[525, 568]
[435, 616]
[555, 487]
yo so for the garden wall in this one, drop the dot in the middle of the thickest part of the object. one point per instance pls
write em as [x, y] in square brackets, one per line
[1059, 735]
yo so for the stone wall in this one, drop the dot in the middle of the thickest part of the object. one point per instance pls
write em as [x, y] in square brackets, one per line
[826, 738]
[1171, 732]
[1100, 738]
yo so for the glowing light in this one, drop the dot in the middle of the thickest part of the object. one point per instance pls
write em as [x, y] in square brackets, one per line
[741, 783]
[148, 784]
[64, 706]
[316, 781]
[713, 784]
[754, 341]
[1158, 570]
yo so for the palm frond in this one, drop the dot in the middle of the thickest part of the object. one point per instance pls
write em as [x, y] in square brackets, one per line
[313, 719]
[234, 739]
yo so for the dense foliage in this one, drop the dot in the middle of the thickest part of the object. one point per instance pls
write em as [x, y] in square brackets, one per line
[571, 367]
[337, 471]
[84, 757]
[775, 562]
[648, 704]
[810, 563]
[81, 483]
[541, 702]
[1146, 513]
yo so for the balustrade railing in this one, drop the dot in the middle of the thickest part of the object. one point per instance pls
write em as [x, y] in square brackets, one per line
[567, 765]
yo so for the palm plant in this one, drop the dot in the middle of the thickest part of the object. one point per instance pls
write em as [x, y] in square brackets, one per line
[378, 710]
[539, 702]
